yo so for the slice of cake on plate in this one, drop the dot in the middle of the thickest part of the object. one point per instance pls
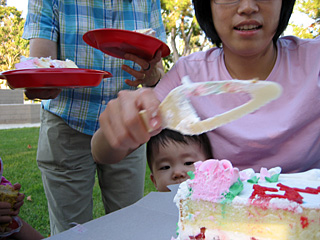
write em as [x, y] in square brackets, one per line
[34, 62]
[147, 31]
[220, 203]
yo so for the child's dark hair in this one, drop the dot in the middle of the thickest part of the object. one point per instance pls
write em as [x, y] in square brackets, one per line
[167, 136]
[204, 16]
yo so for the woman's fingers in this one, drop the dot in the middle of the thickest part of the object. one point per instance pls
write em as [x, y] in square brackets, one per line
[121, 122]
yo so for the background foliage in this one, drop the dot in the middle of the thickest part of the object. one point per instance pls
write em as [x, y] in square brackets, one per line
[183, 32]
[12, 45]
[312, 9]
[184, 35]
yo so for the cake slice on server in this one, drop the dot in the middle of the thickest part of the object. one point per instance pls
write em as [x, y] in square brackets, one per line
[220, 203]
[178, 113]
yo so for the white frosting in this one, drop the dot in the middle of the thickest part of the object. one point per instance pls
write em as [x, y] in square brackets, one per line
[34, 62]
[147, 31]
[183, 193]
[178, 113]
[309, 178]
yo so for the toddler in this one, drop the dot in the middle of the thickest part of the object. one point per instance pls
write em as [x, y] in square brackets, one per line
[171, 155]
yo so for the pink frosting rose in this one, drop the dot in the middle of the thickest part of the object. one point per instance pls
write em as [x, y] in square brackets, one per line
[212, 179]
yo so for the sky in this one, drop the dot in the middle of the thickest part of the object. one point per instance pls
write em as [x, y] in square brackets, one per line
[297, 18]
[21, 5]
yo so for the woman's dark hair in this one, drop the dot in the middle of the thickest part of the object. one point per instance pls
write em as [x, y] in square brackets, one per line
[204, 16]
[167, 137]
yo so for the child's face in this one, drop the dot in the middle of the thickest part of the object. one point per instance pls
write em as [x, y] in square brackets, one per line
[173, 162]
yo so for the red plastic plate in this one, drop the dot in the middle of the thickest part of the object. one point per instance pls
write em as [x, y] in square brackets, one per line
[117, 42]
[15, 227]
[54, 77]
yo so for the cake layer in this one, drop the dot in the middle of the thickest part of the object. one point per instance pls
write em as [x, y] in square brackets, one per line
[8, 194]
[232, 221]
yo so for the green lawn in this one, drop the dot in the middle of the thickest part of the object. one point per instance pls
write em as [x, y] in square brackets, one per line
[18, 149]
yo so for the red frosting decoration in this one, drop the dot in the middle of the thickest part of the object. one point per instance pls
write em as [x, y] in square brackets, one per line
[292, 194]
[200, 236]
[304, 222]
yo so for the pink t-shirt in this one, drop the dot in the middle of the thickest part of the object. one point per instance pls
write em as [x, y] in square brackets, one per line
[285, 132]
[3, 180]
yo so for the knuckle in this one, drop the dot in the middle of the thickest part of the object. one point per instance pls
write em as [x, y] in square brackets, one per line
[122, 93]
[144, 91]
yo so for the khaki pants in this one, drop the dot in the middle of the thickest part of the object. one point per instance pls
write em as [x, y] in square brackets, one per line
[68, 175]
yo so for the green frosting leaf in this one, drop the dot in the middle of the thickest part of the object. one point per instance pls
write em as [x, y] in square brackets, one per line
[190, 192]
[274, 178]
[177, 229]
[253, 180]
[234, 190]
[191, 174]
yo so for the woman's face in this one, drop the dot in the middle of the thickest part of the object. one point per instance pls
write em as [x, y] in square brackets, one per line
[247, 27]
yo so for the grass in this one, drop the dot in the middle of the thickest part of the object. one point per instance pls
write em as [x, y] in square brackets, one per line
[18, 148]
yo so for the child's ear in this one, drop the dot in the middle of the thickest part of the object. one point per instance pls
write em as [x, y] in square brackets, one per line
[153, 180]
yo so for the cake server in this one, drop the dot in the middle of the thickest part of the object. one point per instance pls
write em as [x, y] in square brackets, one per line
[178, 113]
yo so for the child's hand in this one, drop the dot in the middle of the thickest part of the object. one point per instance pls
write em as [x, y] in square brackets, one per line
[5, 212]
[17, 186]
[19, 202]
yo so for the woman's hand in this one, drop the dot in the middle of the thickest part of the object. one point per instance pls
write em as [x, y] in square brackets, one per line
[122, 130]
[150, 73]
[121, 123]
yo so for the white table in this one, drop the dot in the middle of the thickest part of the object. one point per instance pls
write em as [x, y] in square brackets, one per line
[154, 217]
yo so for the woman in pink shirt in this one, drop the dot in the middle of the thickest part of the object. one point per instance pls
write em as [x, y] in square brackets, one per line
[285, 132]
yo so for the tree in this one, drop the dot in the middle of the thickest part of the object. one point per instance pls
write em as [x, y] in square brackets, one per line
[183, 31]
[312, 9]
[12, 45]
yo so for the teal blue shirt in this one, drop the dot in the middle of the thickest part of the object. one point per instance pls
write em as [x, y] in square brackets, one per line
[65, 22]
